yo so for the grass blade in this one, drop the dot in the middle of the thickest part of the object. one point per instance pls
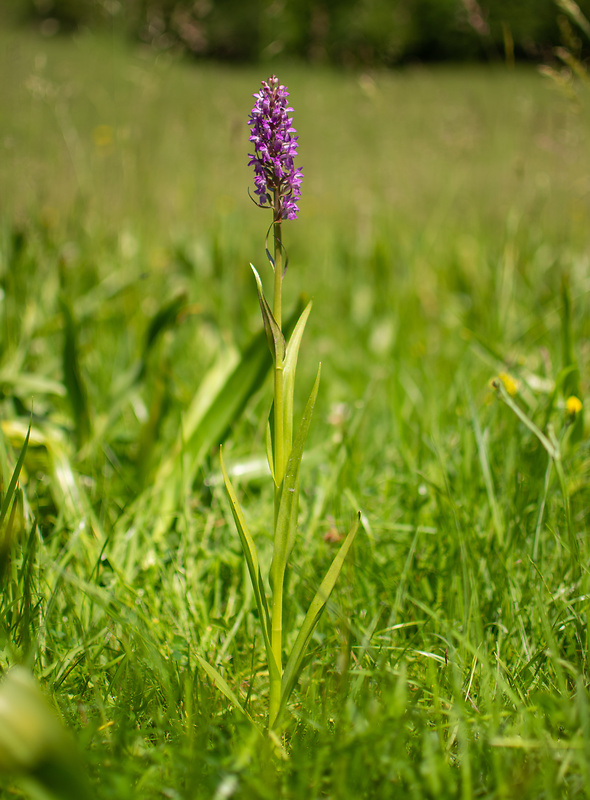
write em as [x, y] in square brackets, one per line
[229, 402]
[14, 480]
[498, 522]
[313, 615]
[501, 390]
[251, 555]
[221, 684]
[74, 383]
[274, 335]
[286, 521]
[289, 367]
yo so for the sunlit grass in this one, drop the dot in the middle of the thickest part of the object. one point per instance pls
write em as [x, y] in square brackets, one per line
[441, 211]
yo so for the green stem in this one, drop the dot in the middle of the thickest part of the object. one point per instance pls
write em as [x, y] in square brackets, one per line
[279, 444]
[551, 445]
[278, 258]
[573, 542]
[279, 470]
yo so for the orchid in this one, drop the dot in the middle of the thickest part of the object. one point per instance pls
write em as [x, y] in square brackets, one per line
[277, 180]
[278, 186]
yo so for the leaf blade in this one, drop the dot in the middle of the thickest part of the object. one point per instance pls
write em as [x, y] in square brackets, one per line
[222, 685]
[286, 518]
[289, 367]
[14, 479]
[314, 612]
[274, 334]
[251, 555]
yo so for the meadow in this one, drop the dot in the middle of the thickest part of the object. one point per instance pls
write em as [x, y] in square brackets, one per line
[443, 237]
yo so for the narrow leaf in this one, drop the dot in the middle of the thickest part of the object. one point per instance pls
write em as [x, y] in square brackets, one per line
[313, 615]
[487, 473]
[571, 380]
[289, 368]
[218, 403]
[274, 335]
[570, 373]
[574, 544]
[287, 516]
[499, 387]
[221, 684]
[166, 317]
[269, 449]
[227, 404]
[251, 555]
[8, 532]
[73, 380]
[14, 479]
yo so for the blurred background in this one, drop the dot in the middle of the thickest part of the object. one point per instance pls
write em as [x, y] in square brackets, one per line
[413, 110]
[338, 32]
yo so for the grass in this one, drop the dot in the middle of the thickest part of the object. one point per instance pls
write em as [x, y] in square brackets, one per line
[443, 237]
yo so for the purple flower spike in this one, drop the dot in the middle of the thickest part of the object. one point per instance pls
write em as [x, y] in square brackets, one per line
[275, 147]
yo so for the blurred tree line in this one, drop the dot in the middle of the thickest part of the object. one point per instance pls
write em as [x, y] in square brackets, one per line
[340, 32]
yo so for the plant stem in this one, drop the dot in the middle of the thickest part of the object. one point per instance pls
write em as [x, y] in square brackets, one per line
[279, 445]
[573, 542]
[279, 470]
[278, 258]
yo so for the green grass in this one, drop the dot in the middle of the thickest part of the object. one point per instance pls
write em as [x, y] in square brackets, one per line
[443, 213]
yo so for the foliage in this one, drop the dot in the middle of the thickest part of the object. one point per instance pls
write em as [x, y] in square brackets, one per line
[452, 660]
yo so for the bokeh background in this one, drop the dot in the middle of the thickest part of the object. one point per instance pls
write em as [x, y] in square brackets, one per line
[338, 32]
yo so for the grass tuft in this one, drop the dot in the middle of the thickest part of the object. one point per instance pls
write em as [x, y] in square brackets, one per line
[444, 233]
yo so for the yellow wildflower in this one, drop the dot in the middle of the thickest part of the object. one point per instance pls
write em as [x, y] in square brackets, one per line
[573, 405]
[510, 384]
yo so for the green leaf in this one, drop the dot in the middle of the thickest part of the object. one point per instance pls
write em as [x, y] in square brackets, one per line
[67, 489]
[218, 403]
[505, 397]
[314, 612]
[269, 448]
[274, 335]
[551, 445]
[6, 500]
[289, 368]
[229, 402]
[569, 376]
[571, 379]
[226, 404]
[8, 534]
[124, 387]
[222, 685]
[287, 515]
[486, 472]
[73, 381]
[251, 555]
[166, 317]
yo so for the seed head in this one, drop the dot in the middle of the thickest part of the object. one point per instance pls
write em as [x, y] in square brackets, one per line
[275, 147]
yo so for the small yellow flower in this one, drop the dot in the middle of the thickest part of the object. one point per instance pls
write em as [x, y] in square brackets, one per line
[510, 384]
[573, 405]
